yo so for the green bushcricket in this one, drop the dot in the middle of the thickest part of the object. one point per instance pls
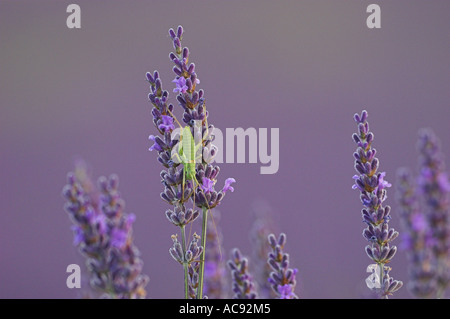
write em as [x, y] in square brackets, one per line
[189, 154]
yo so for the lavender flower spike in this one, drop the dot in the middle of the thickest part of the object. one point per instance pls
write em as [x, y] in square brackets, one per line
[416, 239]
[180, 185]
[282, 278]
[373, 189]
[103, 233]
[242, 281]
[434, 186]
[124, 257]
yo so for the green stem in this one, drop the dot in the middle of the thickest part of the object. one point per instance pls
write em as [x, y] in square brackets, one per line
[381, 266]
[185, 265]
[202, 258]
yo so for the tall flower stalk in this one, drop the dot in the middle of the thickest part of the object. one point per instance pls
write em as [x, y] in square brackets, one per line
[373, 189]
[189, 179]
[103, 234]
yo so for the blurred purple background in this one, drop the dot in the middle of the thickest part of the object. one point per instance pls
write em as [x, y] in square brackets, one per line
[302, 66]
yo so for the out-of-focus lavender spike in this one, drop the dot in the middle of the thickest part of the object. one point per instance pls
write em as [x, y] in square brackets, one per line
[416, 239]
[242, 281]
[125, 262]
[373, 189]
[434, 186]
[262, 226]
[103, 234]
[282, 278]
[215, 280]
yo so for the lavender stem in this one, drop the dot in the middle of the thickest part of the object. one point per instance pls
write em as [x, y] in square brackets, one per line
[185, 264]
[202, 261]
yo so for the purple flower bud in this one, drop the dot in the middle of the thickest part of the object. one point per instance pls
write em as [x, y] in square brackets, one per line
[172, 33]
[191, 68]
[391, 253]
[179, 31]
[364, 115]
[369, 137]
[177, 45]
[149, 77]
[155, 146]
[189, 85]
[178, 72]
[185, 53]
[158, 84]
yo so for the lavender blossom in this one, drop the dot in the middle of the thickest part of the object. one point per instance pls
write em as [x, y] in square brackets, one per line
[103, 233]
[178, 189]
[181, 85]
[282, 278]
[242, 281]
[373, 188]
[434, 186]
[416, 241]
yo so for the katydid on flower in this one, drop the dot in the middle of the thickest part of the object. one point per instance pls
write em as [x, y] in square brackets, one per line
[188, 153]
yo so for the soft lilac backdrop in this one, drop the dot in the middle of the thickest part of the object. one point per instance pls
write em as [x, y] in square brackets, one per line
[303, 66]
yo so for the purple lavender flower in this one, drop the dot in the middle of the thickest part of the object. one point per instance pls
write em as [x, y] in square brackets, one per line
[78, 235]
[372, 187]
[181, 85]
[282, 278]
[433, 186]
[118, 238]
[167, 123]
[155, 146]
[416, 241]
[179, 190]
[286, 292]
[227, 186]
[207, 185]
[103, 233]
[242, 281]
